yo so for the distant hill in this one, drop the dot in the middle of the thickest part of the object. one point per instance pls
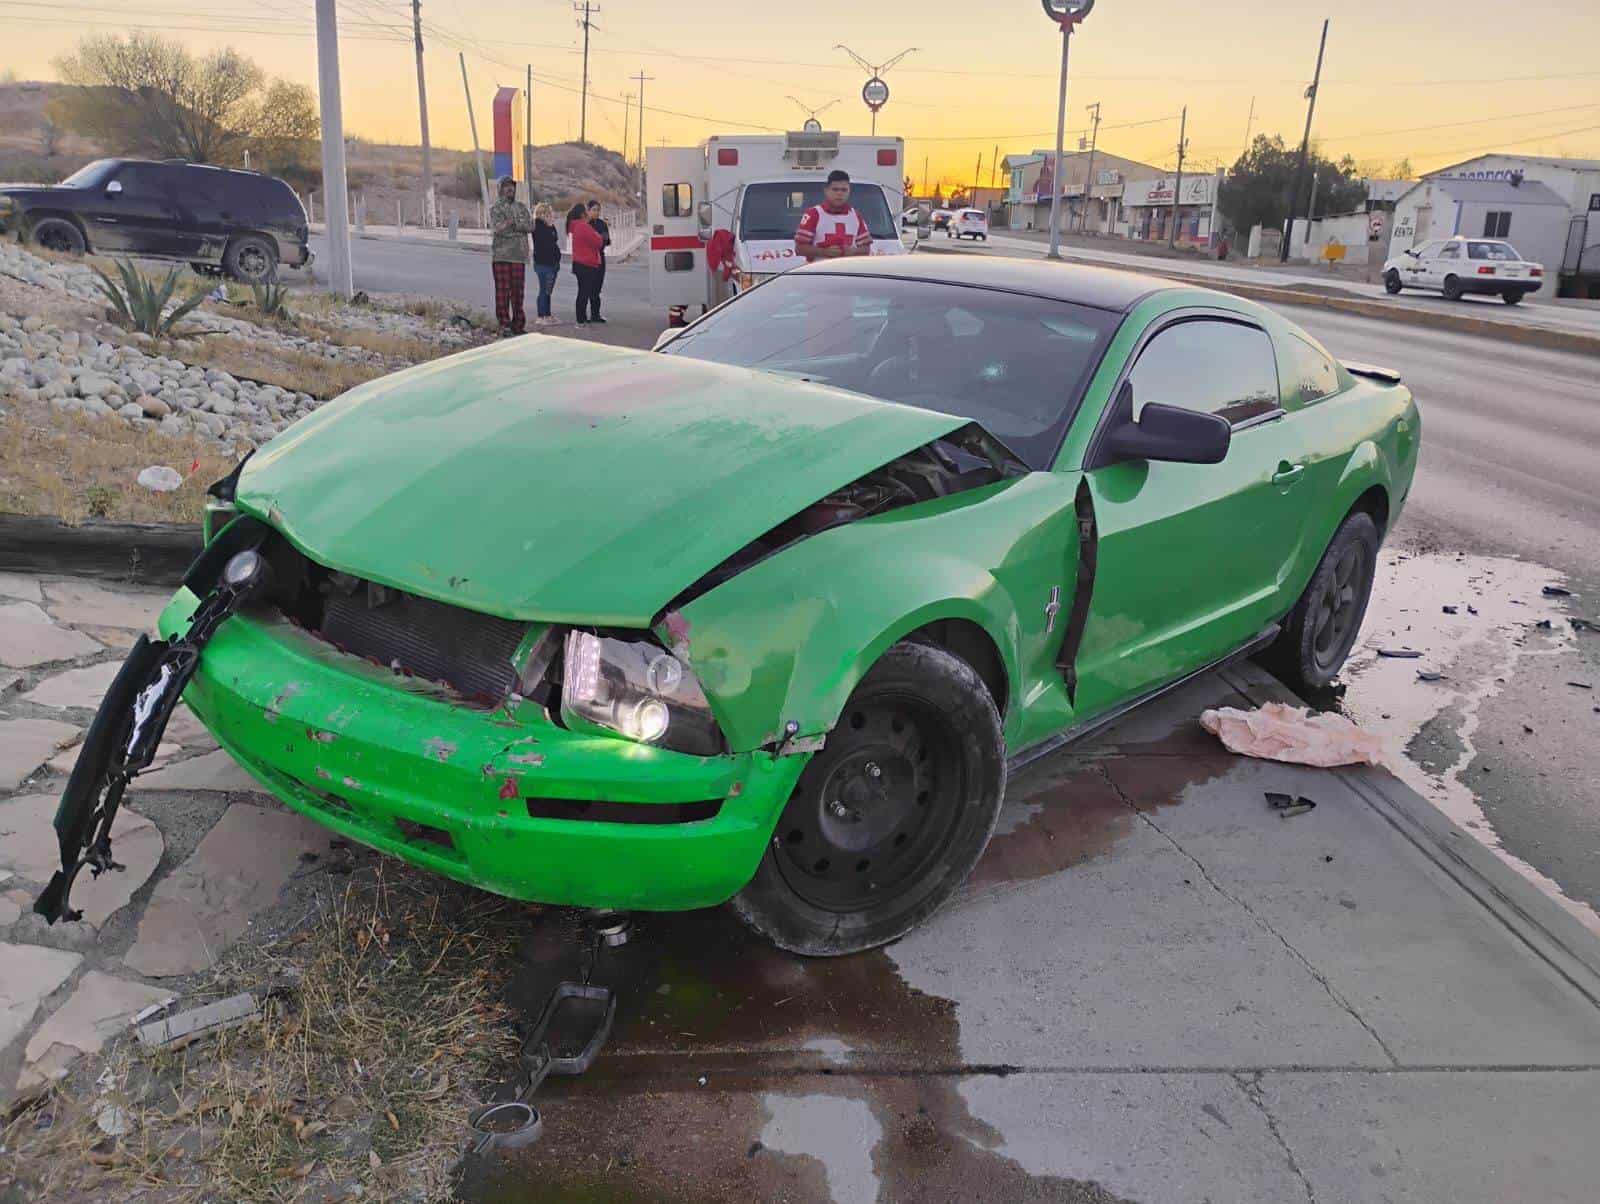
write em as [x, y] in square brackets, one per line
[381, 174]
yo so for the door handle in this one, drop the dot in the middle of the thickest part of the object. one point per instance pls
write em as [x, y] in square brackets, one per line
[1287, 473]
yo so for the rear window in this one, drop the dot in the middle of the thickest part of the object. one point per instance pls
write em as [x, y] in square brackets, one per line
[1502, 251]
[972, 214]
[773, 210]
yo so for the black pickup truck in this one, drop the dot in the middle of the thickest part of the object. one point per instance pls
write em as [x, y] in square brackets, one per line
[240, 223]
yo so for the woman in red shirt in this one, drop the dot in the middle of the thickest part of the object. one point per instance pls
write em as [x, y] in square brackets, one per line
[586, 249]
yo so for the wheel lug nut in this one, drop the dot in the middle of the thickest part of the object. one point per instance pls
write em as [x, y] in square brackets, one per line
[838, 809]
[873, 771]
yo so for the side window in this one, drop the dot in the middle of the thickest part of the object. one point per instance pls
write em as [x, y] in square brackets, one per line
[146, 181]
[1313, 375]
[202, 188]
[677, 200]
[1207, 364]
[1450, 250]
[1497, 223]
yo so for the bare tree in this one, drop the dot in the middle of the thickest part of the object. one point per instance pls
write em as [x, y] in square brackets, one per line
[49, 136]
[144, 94]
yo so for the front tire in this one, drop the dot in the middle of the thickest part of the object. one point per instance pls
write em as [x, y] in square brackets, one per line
[889, 818]
[59, 235]
[1391, 282]
[1452, 289]
[1322, 628]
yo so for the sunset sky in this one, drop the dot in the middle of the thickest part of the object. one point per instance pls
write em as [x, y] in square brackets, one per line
[1432, 81]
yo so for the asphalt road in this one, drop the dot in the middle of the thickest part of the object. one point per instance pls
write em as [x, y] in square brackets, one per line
[1506, 496]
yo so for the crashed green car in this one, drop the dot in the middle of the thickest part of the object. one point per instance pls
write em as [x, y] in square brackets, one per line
[766, 615]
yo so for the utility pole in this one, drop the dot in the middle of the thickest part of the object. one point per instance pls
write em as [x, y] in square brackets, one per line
[583, 108]
[430, 215]
[643, 79]
[1088, 179]
[1177, 187]
[477, 152]
[1305, 147]
[527, 137]
[627, 112]
[1248, 122]
[335, 198]
[977, 175]
[924, 175]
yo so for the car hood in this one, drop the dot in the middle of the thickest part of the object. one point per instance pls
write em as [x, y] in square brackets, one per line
[554, 479]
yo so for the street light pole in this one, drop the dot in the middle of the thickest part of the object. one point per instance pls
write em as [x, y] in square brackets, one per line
[336, 200]
[1057, 174]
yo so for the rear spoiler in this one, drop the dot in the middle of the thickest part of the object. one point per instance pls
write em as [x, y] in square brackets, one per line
[1386, 376]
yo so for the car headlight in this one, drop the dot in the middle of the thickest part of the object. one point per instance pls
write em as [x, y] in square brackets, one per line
[637, 690]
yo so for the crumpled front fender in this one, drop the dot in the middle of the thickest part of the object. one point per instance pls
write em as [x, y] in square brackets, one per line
[786, 641]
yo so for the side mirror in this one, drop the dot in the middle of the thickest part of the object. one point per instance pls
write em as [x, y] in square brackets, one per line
[1411, 251]
[113, 188]
[666, 336]
[705, 215]
[1167, 433]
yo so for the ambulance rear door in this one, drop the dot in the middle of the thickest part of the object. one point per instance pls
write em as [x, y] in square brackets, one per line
[676, 176]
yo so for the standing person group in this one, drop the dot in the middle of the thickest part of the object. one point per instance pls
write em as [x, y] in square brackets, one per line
[590, 237]
[511, 225]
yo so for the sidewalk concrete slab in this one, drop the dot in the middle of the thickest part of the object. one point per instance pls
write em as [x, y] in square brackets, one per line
[28, 973]
[29, 848]
[26, 744]
[100, 1006]
[1154, 988]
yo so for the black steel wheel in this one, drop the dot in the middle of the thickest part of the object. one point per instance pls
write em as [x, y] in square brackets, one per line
[251, 259]
[1322, 628]
[890, 817]
[1391, 282]
[59, 235]
[1452, 288]
[1512, 296]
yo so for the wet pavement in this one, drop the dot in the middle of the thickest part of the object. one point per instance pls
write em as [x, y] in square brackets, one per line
[1153, 988]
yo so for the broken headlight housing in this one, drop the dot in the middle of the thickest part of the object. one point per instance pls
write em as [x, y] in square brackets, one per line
[637, 690]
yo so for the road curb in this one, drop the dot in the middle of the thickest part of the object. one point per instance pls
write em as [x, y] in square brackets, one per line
[1553, 934]
[127, 553]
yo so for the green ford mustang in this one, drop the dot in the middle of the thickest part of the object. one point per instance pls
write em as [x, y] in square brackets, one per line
[766, 615]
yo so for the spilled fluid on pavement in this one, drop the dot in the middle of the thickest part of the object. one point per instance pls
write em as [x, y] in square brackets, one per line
[1498, 606]
[737, 1071]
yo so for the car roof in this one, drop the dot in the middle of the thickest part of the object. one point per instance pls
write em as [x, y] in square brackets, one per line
[1102, 288]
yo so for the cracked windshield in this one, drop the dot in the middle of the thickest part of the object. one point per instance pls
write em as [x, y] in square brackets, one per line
[692, 612]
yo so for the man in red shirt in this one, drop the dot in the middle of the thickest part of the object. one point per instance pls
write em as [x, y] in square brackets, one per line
[832, 229]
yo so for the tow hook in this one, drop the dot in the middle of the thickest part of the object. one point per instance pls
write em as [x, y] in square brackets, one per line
[573, 1026]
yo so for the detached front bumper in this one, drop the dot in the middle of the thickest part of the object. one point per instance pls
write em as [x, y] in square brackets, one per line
[477, 795]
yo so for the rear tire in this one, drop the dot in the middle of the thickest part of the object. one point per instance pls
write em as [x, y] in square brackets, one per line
[251, 259]
[1391, 282]
[59, 235]
[1452, 289]
[887, 821]
[1323, 626]
[1512, 296]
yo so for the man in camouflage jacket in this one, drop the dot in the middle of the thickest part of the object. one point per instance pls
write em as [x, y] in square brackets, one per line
[510, 223]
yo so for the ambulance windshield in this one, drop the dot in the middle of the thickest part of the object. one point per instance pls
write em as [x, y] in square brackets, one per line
[773, 210]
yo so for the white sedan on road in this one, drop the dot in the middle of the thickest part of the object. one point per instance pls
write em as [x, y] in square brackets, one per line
[969, 223]
[1456, 266]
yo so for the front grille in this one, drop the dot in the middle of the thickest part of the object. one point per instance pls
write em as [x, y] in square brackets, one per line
[466, 650]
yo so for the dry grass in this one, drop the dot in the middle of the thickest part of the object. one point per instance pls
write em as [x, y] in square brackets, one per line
[73, 467]
[385, 1024]
[317, 375]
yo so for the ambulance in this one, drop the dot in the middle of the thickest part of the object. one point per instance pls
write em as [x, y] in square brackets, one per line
[722, 215]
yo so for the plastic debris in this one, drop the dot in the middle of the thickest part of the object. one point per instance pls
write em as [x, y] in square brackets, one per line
[160, 478]
[1556, 591]
[1289, 805]
[113, 1121]
[1431, 675]
[1584, 625]
[1582, 685]
[172, 1031]
[1449, 610]
[1279, 732]
[1400, 654]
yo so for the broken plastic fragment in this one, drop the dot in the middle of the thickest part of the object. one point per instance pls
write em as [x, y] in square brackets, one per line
[1403, 654]
[1430, 675]
[1556, 591]
[1279, 732]
[1289, 805]
[1449, 610]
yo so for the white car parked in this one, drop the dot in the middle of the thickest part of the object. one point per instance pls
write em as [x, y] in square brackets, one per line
[969, 223]
[1455, 266]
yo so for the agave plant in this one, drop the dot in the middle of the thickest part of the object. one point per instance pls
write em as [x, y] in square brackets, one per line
[273, 301]
[139, 303]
